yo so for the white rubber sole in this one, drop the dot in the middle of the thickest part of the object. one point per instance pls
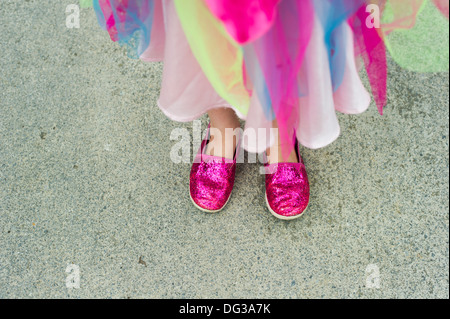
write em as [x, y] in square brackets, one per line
[284, 217]
[206, 210]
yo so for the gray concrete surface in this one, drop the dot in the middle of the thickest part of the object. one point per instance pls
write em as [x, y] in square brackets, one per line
[85, 178]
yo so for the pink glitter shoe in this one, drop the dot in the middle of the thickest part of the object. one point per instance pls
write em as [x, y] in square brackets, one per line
[212, 179]
[287, 188]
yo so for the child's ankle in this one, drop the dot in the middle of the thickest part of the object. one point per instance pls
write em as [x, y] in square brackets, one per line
[222, 142]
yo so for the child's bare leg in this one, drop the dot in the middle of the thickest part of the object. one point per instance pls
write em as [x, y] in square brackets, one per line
[223, 144]
[274, 153]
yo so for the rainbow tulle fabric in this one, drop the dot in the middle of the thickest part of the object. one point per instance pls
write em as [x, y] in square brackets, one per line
[257, 48]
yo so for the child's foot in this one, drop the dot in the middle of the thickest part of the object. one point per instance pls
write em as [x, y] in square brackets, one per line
[212, 179]
[287, 186]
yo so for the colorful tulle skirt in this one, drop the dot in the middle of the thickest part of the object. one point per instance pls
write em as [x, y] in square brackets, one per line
[289, 63]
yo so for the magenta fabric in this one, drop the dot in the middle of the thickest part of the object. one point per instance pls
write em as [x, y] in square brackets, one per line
[280, 54]
[245, 20]
[370, 46]
[443, 6]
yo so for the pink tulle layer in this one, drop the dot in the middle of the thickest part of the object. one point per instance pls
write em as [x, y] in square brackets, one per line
[297, 64]
[186, 93]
